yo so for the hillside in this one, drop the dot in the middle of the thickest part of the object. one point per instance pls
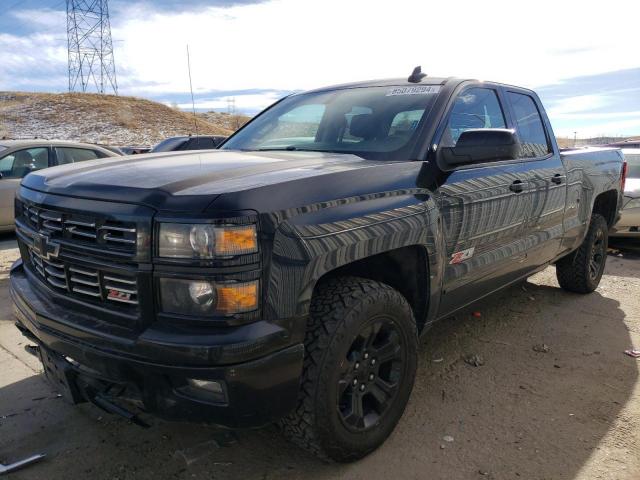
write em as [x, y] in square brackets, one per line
[110, 119]
[225, 120]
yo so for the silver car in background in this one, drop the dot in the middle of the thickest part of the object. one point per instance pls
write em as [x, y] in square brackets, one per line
[629, 223]
[21, 157]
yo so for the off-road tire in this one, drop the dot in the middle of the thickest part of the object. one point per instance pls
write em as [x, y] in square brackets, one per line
[340, 308]
[577, 272]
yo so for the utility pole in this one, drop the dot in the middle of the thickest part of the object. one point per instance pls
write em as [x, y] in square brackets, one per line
[90, 48]
[575, 137]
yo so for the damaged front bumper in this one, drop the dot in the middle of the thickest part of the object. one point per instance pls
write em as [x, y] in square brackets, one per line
[175, 375]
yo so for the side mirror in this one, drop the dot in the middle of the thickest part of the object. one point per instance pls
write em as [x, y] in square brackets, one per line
[482, 145]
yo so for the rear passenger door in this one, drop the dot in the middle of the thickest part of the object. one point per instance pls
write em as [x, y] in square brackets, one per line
[547, 177]
[483, 206]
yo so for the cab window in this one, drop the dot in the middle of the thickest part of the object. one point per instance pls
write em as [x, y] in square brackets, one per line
[19, 163]
[474, 108]
[529, 126]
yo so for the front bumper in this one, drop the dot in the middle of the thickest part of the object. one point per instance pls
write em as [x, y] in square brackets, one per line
[258, 364]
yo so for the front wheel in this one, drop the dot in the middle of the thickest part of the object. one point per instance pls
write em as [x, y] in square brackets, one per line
[359, 369]
[582, 270]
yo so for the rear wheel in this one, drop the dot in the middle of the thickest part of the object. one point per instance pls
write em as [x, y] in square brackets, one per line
[582, 270]
[360, 363]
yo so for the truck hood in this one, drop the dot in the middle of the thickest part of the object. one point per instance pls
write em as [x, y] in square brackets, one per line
[185, 181]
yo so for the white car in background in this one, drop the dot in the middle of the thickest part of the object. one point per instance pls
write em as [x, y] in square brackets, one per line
[18, 158]
[629, 223]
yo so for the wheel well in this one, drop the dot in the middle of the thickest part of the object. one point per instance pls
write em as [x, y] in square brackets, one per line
[606, 204]
[405, 269]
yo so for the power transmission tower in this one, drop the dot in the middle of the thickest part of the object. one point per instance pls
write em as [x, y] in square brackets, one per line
[91, 63]
[231, 105]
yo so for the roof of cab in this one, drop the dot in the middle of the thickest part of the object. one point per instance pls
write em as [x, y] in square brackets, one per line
[404, 82]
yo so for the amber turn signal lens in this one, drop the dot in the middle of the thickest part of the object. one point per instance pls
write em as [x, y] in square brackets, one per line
[236, 240]
[237, 297]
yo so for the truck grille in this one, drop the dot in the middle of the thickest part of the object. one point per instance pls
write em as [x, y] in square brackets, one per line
[83, 228]
[96, 284]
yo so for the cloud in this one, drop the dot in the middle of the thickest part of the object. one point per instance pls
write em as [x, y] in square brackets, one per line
[31, 62]
[578, 104]
[249, 103]
[619, 127]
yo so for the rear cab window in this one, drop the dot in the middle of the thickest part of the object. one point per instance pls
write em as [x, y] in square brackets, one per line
[530, 129]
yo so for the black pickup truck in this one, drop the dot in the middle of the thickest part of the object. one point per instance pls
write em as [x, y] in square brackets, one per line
[288, 276]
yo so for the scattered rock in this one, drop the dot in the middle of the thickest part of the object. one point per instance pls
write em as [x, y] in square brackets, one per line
[437, 360]
[541, 348]
[447, 438]
[474, 360]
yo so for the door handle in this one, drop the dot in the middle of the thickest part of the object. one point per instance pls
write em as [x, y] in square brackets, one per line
[557, 179]
[518, 186]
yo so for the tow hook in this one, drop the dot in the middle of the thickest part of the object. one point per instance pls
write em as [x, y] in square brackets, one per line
[32, 350]
[104, 401]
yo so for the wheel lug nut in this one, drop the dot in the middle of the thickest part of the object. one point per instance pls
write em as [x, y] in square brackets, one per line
[371, 376]
[366, 355]
[362, 388]
[357, 365]
[373, 361]
[355, 382]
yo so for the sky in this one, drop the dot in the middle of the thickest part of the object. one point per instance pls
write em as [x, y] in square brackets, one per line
[582, 57]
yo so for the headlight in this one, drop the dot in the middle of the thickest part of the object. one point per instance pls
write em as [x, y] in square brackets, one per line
[207, 298]
[204, 241]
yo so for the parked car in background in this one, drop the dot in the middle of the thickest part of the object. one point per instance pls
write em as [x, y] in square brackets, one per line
[199, 142]
[20, 157]
[627, 144]
[134, 150]
[629, 223]
[112, 148]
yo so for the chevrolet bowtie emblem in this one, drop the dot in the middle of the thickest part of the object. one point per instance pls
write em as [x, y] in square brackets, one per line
[44, 247]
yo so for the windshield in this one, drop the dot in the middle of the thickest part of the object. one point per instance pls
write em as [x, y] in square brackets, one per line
[379, 123]
[633, 165]
[169, 145]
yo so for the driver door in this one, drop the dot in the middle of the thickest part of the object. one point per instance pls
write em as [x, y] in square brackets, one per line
[483, 207]
[14, 167]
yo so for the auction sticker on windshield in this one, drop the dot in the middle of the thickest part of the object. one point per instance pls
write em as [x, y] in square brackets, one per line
[414, 90]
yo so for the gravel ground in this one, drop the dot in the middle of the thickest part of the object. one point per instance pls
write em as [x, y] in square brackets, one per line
[555, 398]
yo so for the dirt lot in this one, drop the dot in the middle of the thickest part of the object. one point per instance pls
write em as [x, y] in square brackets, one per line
[570, 413]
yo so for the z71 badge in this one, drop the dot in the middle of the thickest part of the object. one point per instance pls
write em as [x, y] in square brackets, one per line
[118, 295]
[461, 256]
